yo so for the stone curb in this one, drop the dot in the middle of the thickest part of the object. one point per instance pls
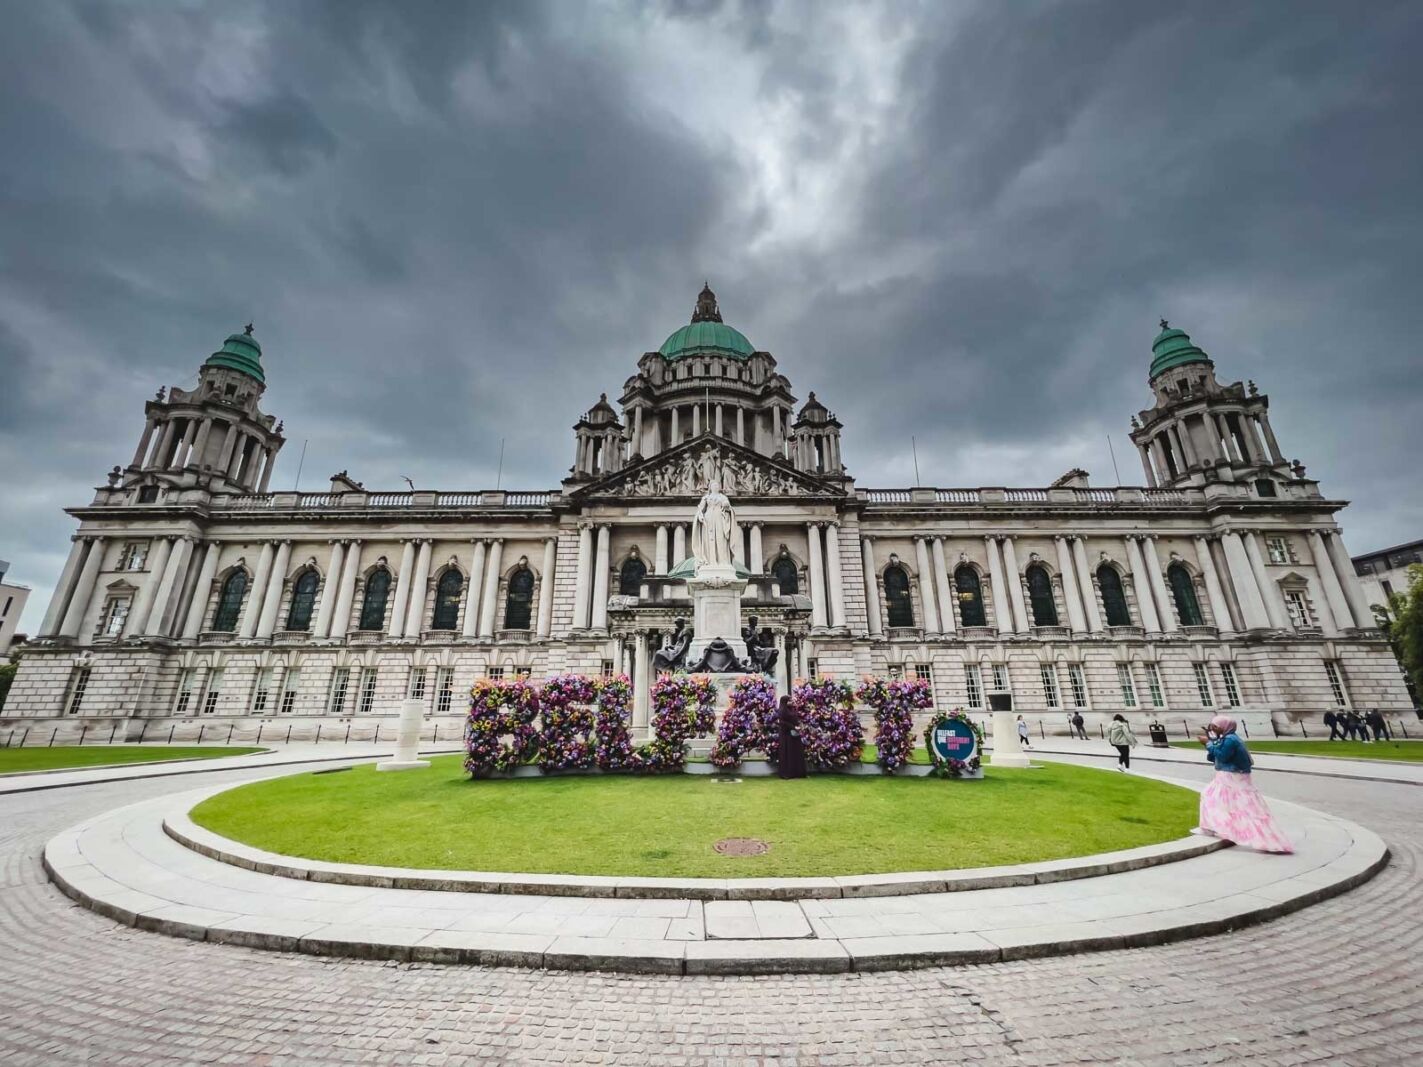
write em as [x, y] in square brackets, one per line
[8, 776]
[1368, 856]
[182, 829]
[1049, 752]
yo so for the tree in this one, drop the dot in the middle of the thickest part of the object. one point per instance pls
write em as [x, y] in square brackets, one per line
[1402, 620]
[7, 675]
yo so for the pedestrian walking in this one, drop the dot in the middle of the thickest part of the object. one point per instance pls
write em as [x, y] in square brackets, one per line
[1231, 806]
[1374, 718]
[1357, 728]
[1119, 736]
[1079, 726]
[1332, 721]
[1023, 733]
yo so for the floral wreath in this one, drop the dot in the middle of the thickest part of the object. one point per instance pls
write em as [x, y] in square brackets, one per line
[498, 709]
[894, 704]
[954, 768]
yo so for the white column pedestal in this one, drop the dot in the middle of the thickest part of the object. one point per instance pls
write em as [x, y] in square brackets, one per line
[1007, 747]
[407, 744]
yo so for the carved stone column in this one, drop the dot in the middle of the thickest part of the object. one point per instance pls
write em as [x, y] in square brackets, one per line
[871, 586]
[817, 576]
[942, 587]
[926, 586]
[545, 627]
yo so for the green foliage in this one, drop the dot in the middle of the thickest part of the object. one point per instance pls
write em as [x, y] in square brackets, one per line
[7, 678]
[1402, 620]
[64, 757]
[667, 824]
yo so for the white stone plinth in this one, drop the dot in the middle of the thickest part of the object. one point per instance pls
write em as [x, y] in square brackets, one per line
[1007, 747]
[716, 610]
[407, 745]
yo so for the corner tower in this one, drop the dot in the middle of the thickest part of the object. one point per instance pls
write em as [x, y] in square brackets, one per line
[1201, 431]
[213, 437]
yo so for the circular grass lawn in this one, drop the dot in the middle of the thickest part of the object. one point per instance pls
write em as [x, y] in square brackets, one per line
[666, 825]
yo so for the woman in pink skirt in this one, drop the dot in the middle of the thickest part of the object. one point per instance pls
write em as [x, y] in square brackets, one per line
[1231, 806]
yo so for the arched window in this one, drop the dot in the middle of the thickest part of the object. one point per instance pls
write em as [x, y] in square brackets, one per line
[447, 600]
[1182, 589]
[520, 599]
[896, 595]
[1113, 599]
[631, 576]
[970, 592]
[229, 602]
[373, 607]
[786, 575]
[1040, 593]
[303, 597]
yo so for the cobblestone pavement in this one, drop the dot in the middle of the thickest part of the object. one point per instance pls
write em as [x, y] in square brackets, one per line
[1336, 984]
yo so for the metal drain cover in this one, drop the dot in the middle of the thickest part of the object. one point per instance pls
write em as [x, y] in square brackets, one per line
[741, 846]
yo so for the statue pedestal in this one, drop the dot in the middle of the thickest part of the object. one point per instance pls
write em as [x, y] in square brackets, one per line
[716, 610]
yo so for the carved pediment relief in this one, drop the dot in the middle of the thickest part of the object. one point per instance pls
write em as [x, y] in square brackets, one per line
[685, 472]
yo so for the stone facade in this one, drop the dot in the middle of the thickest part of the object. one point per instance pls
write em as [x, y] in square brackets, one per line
[192, 595]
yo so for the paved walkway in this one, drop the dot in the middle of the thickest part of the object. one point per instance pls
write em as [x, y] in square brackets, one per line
[128, 865]
[1333, 984]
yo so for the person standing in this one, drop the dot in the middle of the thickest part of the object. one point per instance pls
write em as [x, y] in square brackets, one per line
[1374, 718]
[1332, 721]
[1231, 806]
[1079, 726]
[791, 761]
[1023, 733]
[1120, 737]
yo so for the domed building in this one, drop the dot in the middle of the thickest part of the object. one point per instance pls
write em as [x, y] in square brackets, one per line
[196, 598]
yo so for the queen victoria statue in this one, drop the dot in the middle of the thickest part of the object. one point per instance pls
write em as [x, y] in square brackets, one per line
[714, 524]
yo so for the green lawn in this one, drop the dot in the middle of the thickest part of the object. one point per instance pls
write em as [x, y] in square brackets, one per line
[1384, 750]
[66, 757]
[666, 825]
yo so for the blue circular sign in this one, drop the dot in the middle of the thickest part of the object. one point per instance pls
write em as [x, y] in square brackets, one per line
[954, 739]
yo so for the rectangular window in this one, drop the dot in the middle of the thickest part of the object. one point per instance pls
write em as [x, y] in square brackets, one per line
[115, 615]
[444, 690]
[1278, 549]
[1232, 687]
[1336, 683]
[336, 698]
[923, 672]
[973, 682]
[1049, 677]
[262, 690]
[1128, 684]
[368, 689]
[1000, 679]
[1203, 686]
[416, 689]
[185, 691]
[607, 668]
[1153, 684]
[812, 668]
[8, 601]
[289, 688]
[214, 691]
[1298, 607]
[495, 674]
[77, 684]
[1078, 681]
[524, 672]
[133, 556]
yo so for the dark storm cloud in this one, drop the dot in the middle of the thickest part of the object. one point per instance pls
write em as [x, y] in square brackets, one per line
[458, 224]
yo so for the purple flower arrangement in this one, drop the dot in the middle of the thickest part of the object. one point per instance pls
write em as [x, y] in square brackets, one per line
[743, 724]
[954, 768]
[894, 704]
[683, 707]
[829, 727]
[499, 709]
[569, 723]
[614, 748]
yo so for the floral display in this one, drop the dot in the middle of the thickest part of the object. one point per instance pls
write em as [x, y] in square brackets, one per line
[743, 725]
[954, 768]
[499, 709]
[829, 726]
[894, 704]
[569, 722]
[614, 747]
[683, 707]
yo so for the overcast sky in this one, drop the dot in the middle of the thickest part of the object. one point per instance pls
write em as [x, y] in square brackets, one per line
[456, 223]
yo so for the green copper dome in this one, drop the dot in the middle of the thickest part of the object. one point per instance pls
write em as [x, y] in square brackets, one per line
[240, 352]
[1173, 348]
[688, 569]
[707, 334]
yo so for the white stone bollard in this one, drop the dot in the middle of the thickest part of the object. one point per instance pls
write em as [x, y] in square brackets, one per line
[1007, 748]
[407, 744]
